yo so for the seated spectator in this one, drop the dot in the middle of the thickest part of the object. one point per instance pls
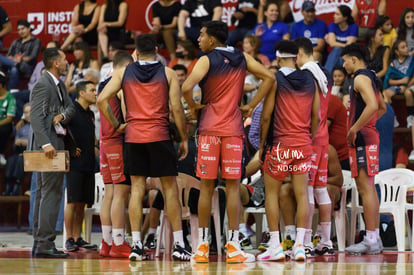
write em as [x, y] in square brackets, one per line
[385, 128]
[84, 22]
[251, 45]
[365, 13]
[198, 11]
[111, 26]
[342, 32]
[339, 76]
[399, 77]
[390, 34]
[83, 61]
[246, 15]
[270, 29]
[5, 25]
[165, 18]
[379, 54]
[14, 173]
[7, 113]
[107, 68]
[406, 28]
[22, 54]
[312, 28]
[185, 55]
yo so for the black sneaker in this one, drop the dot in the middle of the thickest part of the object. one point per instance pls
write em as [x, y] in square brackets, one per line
[150, 242]
[71, 246]
[180, 253]
[137, 253]
[82, 243]
[244, 241]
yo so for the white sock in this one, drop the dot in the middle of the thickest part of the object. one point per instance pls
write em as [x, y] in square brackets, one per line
[233, 236]
[274, 239]
[178, 238]
[325, 231]
[243, 229]
[118, 236]
[319, 229]
[307, 235]
[372, 236]
[377, 233]
[300, 235]
[152, 231]
[107, 233]
[202, 235]
[291, 231]
[136, 238]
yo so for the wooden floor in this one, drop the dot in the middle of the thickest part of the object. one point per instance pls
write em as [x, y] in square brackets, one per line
[18, 261]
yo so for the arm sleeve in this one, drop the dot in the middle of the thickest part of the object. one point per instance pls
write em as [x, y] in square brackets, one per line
[39, 103]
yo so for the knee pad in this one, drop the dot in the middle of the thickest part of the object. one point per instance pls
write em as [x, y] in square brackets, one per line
[310, 195]
[322, 196]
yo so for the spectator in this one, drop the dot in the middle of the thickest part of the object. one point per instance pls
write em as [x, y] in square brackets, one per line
[251, 45]
[311, 28]
[22, 54]
[14, 173]
[106, 69]
[83, 61]
[270, 29]
[5, 25]
[84, 21]
[406, 28]
[185, 55]
[342, 32]
[165, 18]
[379, 54]
[399, 77]
[7, 113]
[111, 24]
[385, 128]
[246, 15]
[390, 34]
[199, 11]
[365, 13]
[339, 76]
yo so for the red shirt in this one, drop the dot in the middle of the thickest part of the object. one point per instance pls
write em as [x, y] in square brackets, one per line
[367, 14]
[222, 90]
[146, 94]
[338, 128]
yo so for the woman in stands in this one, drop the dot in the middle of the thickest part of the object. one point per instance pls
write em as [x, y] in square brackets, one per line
[83, 62]
[84, 22]
[185, 55]
[111, 24]
[379, 54]
[406, 28]
[251, 45]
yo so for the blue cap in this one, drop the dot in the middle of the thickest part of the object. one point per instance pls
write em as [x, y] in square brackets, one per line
[308, 6]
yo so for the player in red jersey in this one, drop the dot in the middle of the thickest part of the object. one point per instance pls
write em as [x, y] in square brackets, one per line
[291, 117]
[366, 106]
[149, 89]
[221, 76]
[318, 174]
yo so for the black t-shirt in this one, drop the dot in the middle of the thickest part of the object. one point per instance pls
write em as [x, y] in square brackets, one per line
[166, 14]
[201, 10]
[82, 127]
[250, 18]
[4, 18]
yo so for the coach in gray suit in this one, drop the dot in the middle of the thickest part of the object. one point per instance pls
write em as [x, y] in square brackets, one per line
[51, 109]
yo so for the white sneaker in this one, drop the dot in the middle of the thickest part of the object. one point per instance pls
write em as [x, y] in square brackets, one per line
[411, 156]
[272, 254]
[298, 253]
[410, 119]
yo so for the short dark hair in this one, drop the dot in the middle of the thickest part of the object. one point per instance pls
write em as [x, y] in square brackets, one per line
[81, 86]
[24, 23]
[217, 29]
[121, 58]
[357, 50]
[339, 68]
[286, 46]
[50, 55]
[381, 19]
[180, 67]
[145, 44]
[305, 44]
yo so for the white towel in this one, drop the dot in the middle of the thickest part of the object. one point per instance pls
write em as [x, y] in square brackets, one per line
[318, 74]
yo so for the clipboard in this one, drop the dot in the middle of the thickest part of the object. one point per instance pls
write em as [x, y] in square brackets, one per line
[36, 161]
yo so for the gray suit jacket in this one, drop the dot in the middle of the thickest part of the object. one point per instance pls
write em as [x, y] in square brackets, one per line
[45, 104]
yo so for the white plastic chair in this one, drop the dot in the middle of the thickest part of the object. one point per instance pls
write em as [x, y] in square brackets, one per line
[95, 209]
[259, 214]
